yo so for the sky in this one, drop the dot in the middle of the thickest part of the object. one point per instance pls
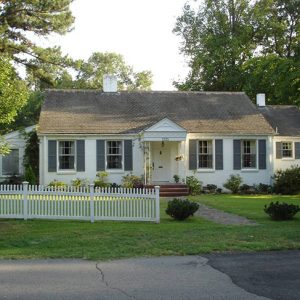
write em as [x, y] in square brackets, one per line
[140, 30]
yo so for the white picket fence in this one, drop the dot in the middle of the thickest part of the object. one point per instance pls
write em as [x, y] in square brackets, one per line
[43, 202]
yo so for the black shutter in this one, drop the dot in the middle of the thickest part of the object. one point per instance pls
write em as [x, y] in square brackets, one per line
[192, 154]
[52, 156]
[128, 155]
[262, 154]
[80, 155]
[219, 154]
[237, 154]
[100, 152]
[297, 150]
[278, 150]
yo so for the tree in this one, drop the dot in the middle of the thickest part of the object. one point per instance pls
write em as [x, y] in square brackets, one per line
[20, 20]
[243, 45]
[90, 73]
[13, 95]
[217, 39]
[276, 76]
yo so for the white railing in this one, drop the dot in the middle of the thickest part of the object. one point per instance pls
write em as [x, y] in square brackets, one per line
[43, 202]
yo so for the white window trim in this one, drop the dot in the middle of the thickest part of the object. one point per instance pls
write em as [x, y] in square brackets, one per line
[256, 158]
[293, 151]
[207, 170]
[114, 170]
[64, 171]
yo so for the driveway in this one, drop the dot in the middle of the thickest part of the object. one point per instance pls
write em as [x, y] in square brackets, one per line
[186, 277]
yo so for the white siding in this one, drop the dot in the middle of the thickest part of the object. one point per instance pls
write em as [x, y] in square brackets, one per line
[218, 177]
[285, 163]
[90, 160]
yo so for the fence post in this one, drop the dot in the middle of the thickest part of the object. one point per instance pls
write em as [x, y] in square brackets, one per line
[25, 204]
[157, 207]
[92, 191]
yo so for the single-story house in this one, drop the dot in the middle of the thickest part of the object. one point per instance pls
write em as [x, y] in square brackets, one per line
[210, 135]
[12, 163]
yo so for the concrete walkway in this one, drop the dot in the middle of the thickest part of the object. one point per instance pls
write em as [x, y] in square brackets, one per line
[222, 217]
[187, 277]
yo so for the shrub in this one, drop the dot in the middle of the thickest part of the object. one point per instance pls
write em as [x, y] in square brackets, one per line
[287, 181]
[211, 188]
[80, 182]
[31, 156]
[101, 180]
[29, 175]
[264, 188]
[194, 185]
[115, 185]
[180, 209]
[176, 178]
[219, 190]
[247, 189]
[131, 181]
[57, 184]
[281, 211]
[14, 179]
[233, 183]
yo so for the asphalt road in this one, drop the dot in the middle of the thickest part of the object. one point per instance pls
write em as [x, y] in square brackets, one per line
[254, 276]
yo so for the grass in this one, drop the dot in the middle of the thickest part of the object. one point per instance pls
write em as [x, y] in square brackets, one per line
[112, 240]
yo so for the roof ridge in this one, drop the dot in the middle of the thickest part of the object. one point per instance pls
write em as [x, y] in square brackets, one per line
[143, 92]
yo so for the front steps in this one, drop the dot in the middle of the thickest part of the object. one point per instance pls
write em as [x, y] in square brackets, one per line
[171, 190]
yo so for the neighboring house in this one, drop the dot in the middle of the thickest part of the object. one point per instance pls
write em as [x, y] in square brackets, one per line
[155, 134]
[12, 163]
[285, 120]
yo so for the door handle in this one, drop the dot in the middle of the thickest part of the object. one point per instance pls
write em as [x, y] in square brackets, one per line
[153, 165]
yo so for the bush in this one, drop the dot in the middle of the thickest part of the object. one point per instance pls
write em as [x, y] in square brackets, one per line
[194, 185]
[176, 178]
[180, 209]
[264, 188]
[210, 188]
[233, 183]
[14, 179]
[101, 180]
[80, 182]
[287, 181]
[29, 175]
[281, 211]
[131, 181]
[247, 189]
[57, 184]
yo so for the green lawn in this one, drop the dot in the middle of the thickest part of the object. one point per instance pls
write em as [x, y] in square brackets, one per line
[111, 240]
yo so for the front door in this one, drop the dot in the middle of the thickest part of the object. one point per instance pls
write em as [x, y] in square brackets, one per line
[161, 159]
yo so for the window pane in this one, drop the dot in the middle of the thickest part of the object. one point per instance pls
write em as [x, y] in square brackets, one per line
[114, 147]
[205, 155]
[114, 162]
[66, 155]
[249, 154]
[287, 149]
[10, 163]
[114, 154]
[66, 162]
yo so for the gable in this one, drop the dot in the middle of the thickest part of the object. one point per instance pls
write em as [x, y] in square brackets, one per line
[165, 125]
[164, 130]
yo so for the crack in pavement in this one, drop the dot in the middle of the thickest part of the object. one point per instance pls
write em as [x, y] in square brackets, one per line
[110, 287]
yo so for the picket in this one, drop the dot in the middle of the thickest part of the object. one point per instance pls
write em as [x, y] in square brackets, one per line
[30, 201]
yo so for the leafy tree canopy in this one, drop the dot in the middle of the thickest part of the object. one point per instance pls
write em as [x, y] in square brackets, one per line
[90, 73]
[234, 45]
[21, 20]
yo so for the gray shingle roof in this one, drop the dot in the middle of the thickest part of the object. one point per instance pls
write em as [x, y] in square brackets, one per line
[95, 112]
[286, 118]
